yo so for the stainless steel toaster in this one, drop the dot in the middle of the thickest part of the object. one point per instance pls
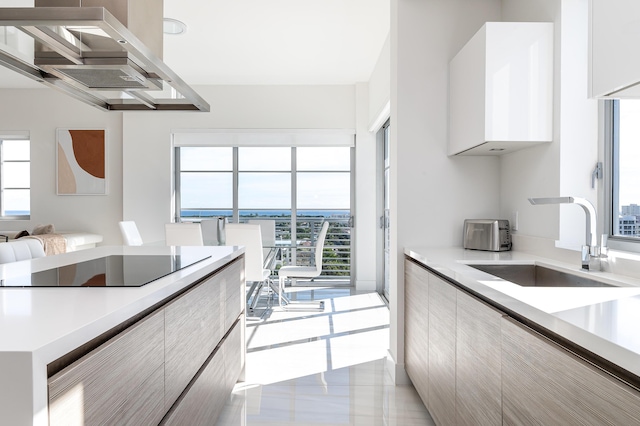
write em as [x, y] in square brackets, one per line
[487, 234]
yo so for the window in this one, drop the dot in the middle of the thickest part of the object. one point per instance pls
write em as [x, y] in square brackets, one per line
[204, 182]
[623, 187]
[264, 180]
[293, 185]
[15, 177]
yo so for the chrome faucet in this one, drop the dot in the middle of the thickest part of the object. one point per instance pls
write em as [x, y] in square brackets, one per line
[592, 253]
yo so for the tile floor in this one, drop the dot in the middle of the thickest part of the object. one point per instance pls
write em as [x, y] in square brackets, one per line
[322, 368]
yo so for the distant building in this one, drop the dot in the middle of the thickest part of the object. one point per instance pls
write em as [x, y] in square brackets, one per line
[631, 210]
[628, 224]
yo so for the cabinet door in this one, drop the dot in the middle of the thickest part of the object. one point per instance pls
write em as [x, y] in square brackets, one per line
[97, 386]
[543, 383]
[147, 408]
[416, 326]
[202, 403]
[442, 351]
[614, 41]
[234, 295]
[192, 331]
[233, 350]
[478, 363]
[488, 109]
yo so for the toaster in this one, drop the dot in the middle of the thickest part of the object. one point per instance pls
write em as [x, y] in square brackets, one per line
[487, 234]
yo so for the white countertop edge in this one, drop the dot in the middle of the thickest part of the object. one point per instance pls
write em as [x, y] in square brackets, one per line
[452, 263]
[47, 341]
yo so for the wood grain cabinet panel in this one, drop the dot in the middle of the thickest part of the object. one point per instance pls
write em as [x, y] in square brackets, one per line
[544, 384]
[234, 294]
[233, 354]
[192, 331]
[442, 351]
[92, 389]
[202, 403]
[416, 326]
[147, 408]
[478, 362]
[195, 323]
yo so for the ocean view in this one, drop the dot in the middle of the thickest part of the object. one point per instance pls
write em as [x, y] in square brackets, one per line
[266, 213]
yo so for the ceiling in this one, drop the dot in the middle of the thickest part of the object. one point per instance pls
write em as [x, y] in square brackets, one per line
[266, 41]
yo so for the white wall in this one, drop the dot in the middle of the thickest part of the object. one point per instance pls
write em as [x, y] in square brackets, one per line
[366, 196]
[534, 172]
[578, 124]
[432, 194]
[380, 87]
[41, 111]
[562, 168]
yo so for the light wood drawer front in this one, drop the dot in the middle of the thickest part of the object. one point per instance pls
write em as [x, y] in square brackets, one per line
[192, 331]
[544, 384]
[442, 351]
[202, 403]
[92, 389]
[416, 361]
[478, 363]
[416, 328]
[147, 408]
[234, 294]
[233, 355]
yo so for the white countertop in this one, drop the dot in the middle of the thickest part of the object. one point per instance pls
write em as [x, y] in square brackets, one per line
[602, 320]
[39, 325]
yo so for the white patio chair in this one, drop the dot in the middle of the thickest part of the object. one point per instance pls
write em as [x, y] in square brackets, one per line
[249, 236]
[294, 272]
[130, 234]
[183, 234]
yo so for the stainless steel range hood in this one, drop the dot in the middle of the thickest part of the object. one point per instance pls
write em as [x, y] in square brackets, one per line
[82, 49]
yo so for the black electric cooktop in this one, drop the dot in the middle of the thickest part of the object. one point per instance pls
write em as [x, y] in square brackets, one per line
[108, 271]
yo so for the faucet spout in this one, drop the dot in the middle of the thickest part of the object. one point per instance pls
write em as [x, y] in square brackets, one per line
[591, 240]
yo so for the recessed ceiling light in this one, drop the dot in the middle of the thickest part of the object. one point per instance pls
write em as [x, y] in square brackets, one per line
[173, 26]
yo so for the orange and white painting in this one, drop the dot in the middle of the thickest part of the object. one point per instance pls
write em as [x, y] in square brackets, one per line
[81, 162]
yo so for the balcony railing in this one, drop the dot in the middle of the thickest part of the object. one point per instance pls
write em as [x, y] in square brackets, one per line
[336, 256]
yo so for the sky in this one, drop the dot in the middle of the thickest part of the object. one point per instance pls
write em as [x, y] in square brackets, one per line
[264, 179]
[629, 152]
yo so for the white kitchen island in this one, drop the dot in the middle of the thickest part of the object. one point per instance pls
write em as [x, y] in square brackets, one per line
[47, 331]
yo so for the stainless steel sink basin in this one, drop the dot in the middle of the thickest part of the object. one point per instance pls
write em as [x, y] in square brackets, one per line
[538, 276]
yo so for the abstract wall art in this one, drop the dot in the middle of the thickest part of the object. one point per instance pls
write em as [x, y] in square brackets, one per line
[81, 162]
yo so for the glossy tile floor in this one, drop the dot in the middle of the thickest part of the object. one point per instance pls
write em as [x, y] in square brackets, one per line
[322, 368]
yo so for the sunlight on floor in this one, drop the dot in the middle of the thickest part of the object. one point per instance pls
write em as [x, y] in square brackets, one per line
[322, 368]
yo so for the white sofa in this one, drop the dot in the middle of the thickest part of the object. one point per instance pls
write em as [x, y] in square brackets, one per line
[14, 251]
[75, 240]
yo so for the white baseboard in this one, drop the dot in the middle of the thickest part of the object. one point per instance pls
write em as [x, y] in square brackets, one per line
[396, 371]
[366, 285]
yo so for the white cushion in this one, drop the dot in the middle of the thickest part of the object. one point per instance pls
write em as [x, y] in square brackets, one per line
[14, 251]
[75, 239]
[298, 271]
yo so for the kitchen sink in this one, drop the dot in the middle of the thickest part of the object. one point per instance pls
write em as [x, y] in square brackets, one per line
[537, 276]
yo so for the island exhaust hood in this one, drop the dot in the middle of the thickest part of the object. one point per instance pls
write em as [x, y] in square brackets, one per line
[106, 53]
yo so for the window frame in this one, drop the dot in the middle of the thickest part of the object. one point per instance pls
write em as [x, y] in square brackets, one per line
[611, 133]
[18, 136]
[236, 172]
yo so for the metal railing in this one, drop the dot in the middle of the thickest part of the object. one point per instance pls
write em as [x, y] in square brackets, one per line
[336, 256]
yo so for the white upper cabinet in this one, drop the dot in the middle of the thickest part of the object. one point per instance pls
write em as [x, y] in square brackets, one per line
[501, 89]
[614, 41]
